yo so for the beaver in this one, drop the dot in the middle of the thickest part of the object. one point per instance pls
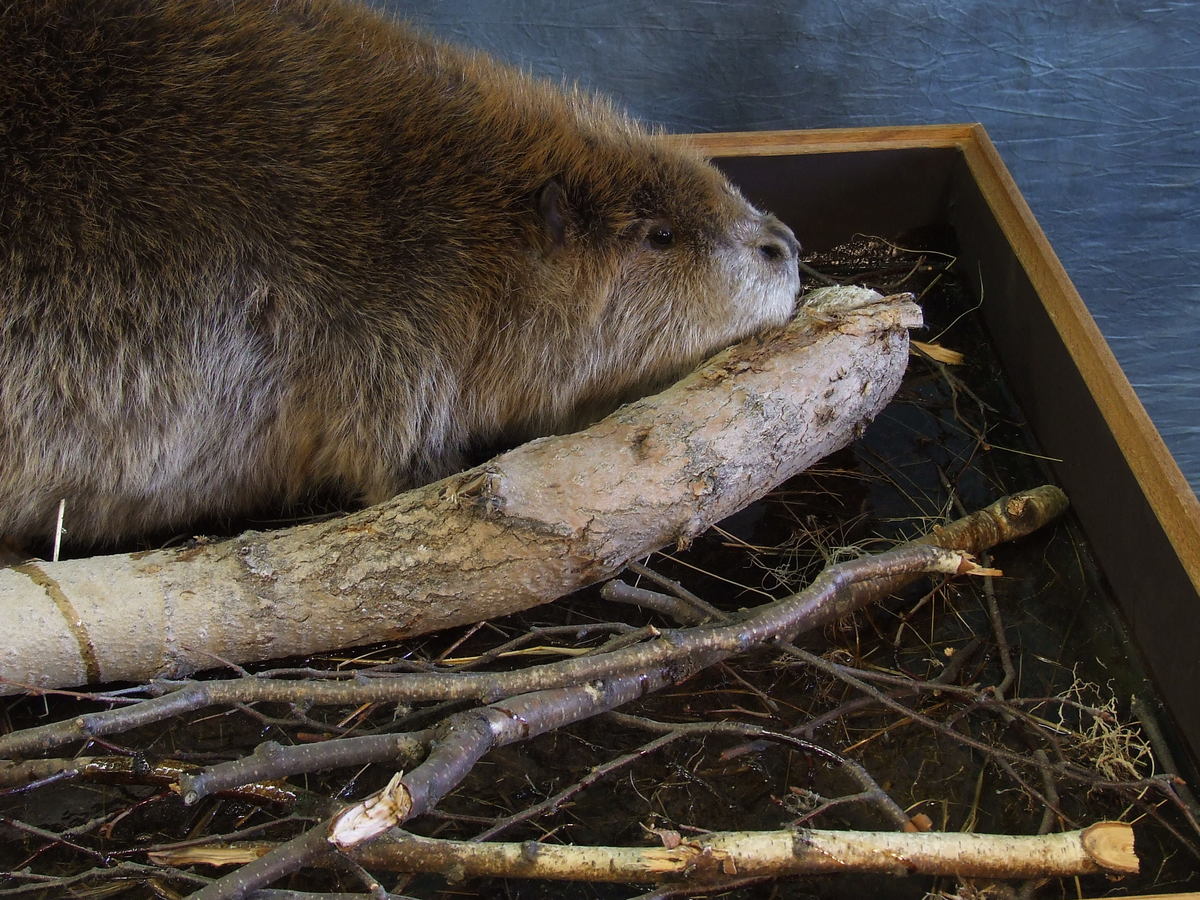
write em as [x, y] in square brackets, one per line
[251, 250]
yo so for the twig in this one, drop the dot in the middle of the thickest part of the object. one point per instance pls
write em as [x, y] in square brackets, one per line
[271, 760]
[680, 611]
[870, 788]
[703, 607]
[593, 776]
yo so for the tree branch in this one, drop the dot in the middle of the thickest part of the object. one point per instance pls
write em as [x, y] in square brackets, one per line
[1102, 847]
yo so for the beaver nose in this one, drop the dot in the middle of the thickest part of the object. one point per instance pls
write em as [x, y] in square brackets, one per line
[775, 240]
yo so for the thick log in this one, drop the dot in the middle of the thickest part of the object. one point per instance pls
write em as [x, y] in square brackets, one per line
[535, 523]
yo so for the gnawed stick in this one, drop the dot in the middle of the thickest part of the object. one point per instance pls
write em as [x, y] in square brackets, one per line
[1004, 520]
[1105, 847]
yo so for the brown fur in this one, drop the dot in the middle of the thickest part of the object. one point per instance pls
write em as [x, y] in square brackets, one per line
[251, 249]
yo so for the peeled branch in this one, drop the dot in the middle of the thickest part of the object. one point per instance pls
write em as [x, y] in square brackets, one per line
[1103, 847]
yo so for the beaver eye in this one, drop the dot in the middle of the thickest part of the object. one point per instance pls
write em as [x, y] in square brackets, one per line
[660, 236]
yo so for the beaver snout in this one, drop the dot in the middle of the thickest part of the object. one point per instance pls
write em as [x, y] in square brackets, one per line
[776, 242]
[779, 253]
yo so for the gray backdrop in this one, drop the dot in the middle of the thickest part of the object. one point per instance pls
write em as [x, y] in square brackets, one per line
[1094, 106]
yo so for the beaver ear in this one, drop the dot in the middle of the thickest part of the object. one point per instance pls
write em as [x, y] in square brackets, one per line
[554, 210]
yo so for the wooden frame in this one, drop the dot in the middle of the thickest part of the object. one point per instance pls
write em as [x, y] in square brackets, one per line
[1141, 517]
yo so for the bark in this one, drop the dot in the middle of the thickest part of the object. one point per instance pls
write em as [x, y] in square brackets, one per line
[549, 517]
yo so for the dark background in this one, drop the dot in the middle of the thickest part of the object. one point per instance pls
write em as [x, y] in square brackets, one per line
[1094, 106]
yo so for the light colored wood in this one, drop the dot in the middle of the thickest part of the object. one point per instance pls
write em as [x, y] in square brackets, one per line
[747, 854]
[1110, 845]
[1166, 490]
[831, 140]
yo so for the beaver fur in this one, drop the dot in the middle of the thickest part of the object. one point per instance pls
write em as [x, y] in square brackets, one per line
[254, 249]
